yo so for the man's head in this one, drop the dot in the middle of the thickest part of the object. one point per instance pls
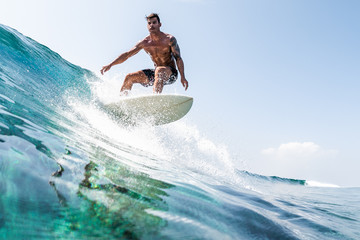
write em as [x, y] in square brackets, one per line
[153, 15]
[153, 22]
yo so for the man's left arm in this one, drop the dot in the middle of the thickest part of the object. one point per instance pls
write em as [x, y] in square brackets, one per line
[175, 49]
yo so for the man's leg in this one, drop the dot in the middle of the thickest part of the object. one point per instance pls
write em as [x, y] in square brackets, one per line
[162, 74]
[131, 78]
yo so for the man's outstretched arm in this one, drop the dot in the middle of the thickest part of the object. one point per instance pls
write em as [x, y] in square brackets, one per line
[175, 49]
[123, 57]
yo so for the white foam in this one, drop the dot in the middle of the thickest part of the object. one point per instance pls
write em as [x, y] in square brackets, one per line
[6, 98]
[319, 184]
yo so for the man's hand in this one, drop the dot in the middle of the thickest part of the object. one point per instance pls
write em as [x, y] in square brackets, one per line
[105, 69]
[185, 83]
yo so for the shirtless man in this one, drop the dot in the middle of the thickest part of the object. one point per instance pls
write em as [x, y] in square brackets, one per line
[163, 49]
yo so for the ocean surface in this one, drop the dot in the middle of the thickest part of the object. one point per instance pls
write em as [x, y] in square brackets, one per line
[68, 170]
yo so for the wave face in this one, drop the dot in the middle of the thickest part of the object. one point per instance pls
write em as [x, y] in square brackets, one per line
[69, 171]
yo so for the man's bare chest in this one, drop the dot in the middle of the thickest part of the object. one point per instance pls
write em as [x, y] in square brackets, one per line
[156, 48]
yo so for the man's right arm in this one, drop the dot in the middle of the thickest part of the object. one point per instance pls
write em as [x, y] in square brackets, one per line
[123, 57]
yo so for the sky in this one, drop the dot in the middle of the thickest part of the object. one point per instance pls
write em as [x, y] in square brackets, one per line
[277, 82]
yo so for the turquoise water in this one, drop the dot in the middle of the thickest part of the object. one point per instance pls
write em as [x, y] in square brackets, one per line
[69, 171]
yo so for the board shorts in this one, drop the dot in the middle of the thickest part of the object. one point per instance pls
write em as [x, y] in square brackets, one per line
[150, 73]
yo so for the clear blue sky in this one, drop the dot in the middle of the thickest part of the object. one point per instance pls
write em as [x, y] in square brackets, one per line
[276, 81]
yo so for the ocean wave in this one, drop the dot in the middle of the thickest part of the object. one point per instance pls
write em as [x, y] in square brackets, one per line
[68, 171]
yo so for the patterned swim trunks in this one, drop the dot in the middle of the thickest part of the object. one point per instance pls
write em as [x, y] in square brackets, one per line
[150, 73]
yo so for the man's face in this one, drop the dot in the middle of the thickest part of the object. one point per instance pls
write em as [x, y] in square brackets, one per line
[153, 25]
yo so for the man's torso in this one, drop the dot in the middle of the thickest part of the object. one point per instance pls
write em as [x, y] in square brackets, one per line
[160, 50]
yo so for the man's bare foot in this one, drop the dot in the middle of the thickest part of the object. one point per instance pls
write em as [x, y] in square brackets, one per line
[124, 93]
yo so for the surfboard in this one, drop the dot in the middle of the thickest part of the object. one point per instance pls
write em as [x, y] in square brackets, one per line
[157, 109]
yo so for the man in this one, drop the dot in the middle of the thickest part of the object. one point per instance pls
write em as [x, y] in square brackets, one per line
[163, 49]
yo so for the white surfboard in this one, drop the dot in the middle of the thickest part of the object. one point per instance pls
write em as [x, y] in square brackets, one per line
[154, 109]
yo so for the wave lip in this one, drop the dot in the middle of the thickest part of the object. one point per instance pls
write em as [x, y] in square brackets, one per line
[38, 70]
[273, 179]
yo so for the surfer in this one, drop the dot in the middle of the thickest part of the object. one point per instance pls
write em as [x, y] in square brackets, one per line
[163, 50]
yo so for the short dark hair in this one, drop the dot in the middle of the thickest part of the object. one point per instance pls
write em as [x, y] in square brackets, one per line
[153, 15]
